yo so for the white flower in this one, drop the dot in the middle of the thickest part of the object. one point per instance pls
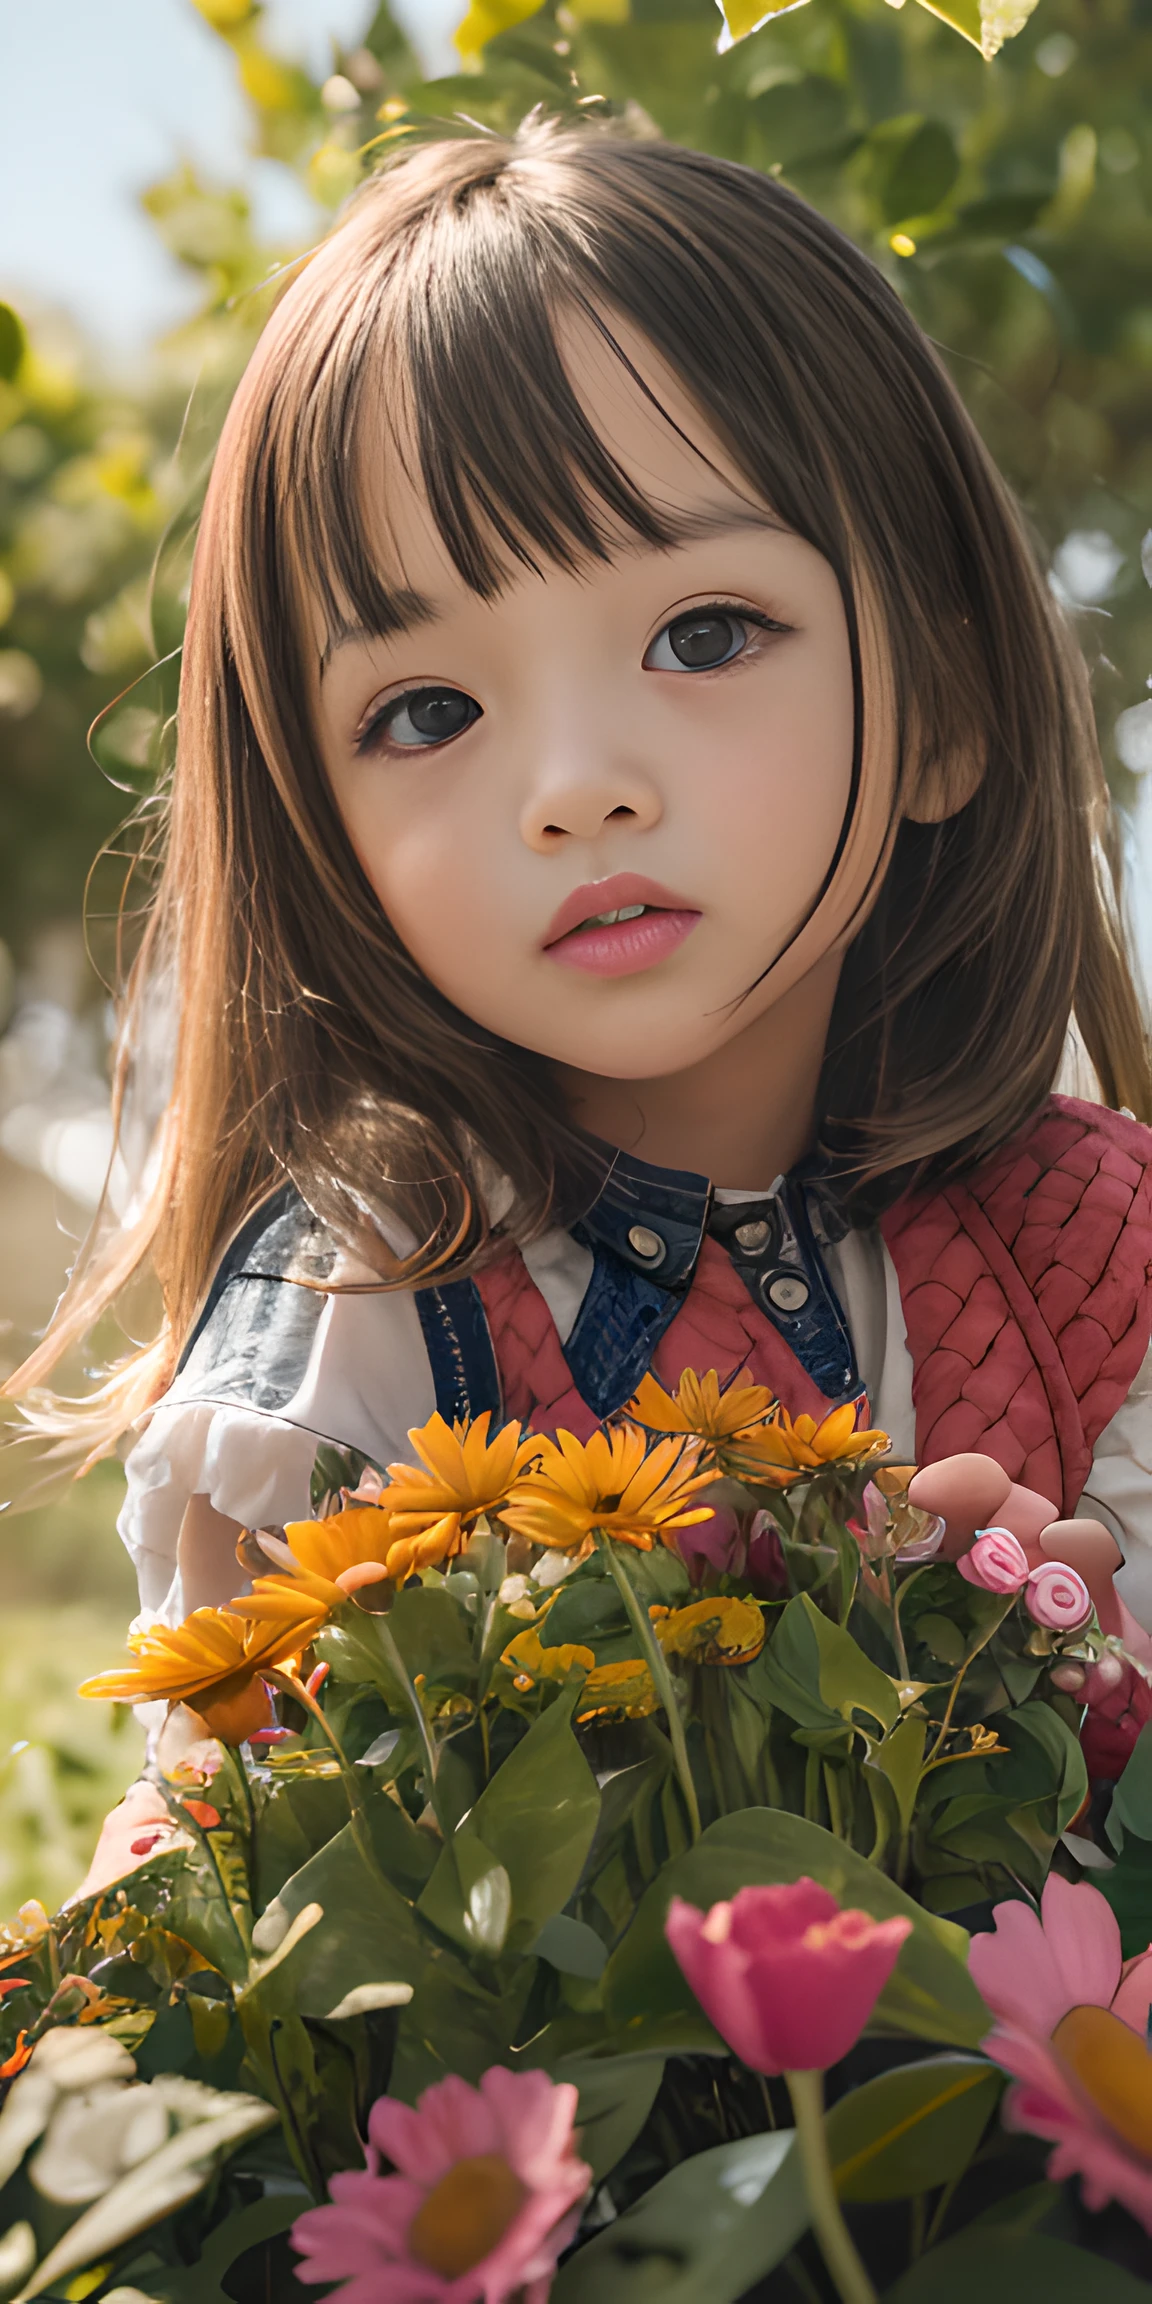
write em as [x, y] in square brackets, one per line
[66, 2059]
[94, 2136]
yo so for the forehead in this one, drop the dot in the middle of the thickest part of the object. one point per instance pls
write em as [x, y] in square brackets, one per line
[644, 419]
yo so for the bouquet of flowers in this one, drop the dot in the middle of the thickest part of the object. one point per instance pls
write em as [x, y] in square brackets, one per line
[570, 1857]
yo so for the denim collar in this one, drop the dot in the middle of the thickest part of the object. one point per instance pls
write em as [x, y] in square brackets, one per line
[646, 1228]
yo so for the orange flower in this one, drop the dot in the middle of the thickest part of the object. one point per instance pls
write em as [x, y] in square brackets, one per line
[18, 2059]
[319, 1557]
[460, 1476]
[725, 1630]
[617, 1481]
[527, 1657]
[618, 1691]
[213, 1662]
[610, 1689]
[700, 1405]
[784, 1451]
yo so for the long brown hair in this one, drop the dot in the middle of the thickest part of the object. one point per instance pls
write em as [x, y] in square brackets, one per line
[308, 1044]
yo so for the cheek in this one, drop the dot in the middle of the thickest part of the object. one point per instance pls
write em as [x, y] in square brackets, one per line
[423, 859]
[782, 775]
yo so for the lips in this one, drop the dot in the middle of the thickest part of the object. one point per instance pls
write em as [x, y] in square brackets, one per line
[580, 936]
[616, 894]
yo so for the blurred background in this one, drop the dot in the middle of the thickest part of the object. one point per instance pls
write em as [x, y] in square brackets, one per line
[159, 161]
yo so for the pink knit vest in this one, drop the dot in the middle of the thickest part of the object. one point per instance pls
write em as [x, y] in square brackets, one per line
[1027, 1293]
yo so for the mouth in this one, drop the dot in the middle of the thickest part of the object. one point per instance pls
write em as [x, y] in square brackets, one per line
[619, 926]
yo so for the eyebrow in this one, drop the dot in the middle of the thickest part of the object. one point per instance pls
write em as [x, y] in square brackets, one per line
[410, 611]
[407, 611]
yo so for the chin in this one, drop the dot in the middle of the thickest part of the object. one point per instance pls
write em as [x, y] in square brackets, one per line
[639, 1055]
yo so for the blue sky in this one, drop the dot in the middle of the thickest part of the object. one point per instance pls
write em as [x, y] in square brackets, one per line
[98, 98]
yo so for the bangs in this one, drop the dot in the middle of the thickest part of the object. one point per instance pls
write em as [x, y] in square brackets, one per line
[448, 368]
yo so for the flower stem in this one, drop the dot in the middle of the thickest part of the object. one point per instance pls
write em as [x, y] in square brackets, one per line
[357, 1810]
[836, 2243]
[897, 1627]
[657, 1664]
[387, 1639]
[946, 1723]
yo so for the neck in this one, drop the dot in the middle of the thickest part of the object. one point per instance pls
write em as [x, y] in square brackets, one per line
[742, 1116]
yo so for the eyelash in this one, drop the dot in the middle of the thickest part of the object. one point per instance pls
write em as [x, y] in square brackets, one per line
[372, 738]
[740, 613]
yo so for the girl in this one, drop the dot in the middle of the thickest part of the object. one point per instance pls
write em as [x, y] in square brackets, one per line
[635, 853]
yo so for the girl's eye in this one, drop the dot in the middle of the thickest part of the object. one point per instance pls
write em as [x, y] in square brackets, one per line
[701, 640]
[419, 719]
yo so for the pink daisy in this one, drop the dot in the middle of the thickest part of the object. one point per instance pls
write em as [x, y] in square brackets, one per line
[486, 2196]
[1072, 2027]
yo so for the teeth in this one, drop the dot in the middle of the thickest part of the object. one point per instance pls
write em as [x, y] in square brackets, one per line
[609, 919]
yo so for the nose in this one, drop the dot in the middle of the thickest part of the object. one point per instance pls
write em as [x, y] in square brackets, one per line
[573, 799]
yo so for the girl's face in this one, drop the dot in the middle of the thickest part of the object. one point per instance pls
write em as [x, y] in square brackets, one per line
[598, 808]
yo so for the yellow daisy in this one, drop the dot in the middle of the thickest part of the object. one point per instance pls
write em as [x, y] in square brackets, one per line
[787, 1449]
[617, 1481]
[700, 1405]
[213, 1662]
[461, 1474]
[316, 1556]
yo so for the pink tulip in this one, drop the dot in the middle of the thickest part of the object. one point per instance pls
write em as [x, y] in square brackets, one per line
[997, 1562]
[1057, 1597]
[787, 1978]
[485, 2197]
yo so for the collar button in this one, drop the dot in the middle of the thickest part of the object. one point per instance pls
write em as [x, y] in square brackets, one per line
[788, 1292]
[753, 1236]
[646, 1244]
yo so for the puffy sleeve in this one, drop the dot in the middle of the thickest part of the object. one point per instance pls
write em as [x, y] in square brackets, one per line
[273, 1370]
[1118, 1491]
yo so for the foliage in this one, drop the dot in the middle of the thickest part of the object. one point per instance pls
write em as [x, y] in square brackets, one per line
[458, 1846]
[62, 1767]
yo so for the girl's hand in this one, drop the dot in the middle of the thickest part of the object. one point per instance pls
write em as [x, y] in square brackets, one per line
[130, 1833]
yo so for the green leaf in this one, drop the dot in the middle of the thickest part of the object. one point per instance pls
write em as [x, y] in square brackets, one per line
[452, 2024]
[1131, 1809]
[929, 1994]
[900, 1758]
[616, 2095]
[486, 18]
[1128, 1888]
[964, 16]
[943, 1637]
[917, 166]
[535, 1819]
[431, 1631]
[801, 114]
[745, 16]
[817, 1673]
[485, 1895]
[199, 2283]
[298, 1816]
[703, 2235]
[571, 1946]
[368, 1934]
[11, 342]
[1010, 2268]
[906, 2131]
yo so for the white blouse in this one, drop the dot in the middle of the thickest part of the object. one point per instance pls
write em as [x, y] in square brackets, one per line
[368, 1382]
